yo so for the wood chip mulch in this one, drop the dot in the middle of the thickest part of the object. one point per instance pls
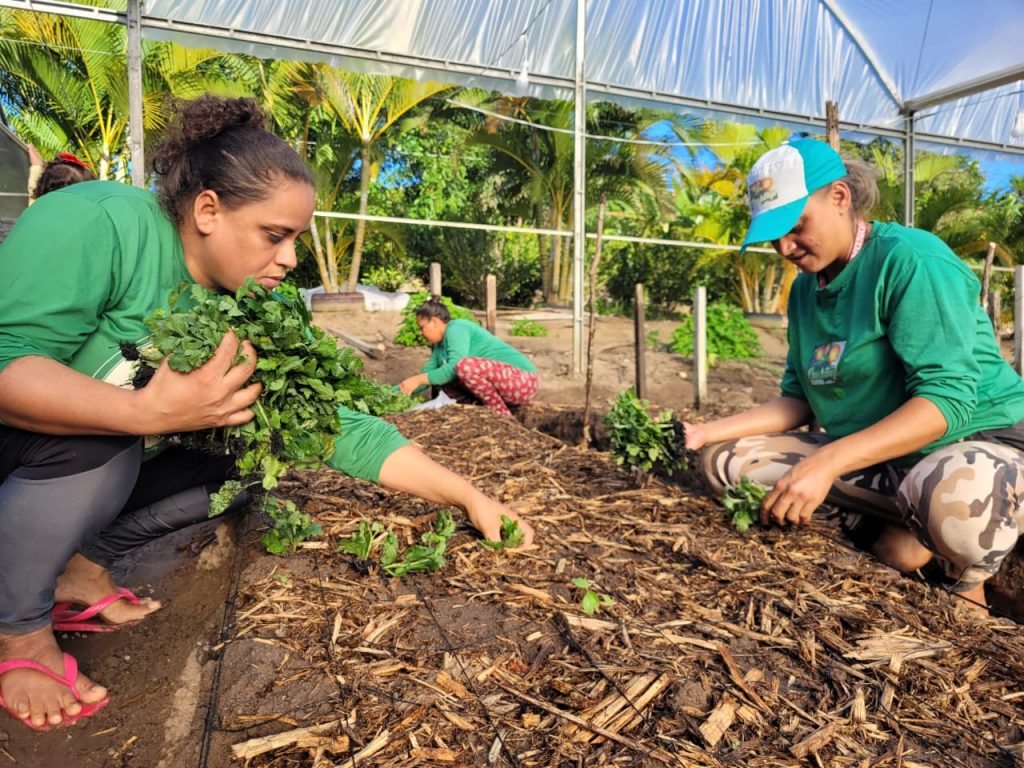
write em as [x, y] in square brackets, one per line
[773, 648]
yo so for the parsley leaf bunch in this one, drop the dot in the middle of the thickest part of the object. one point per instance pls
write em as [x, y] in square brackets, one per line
[743, 503]
[305, 377]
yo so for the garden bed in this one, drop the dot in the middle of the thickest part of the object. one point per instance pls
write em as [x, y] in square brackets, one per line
[720, 649]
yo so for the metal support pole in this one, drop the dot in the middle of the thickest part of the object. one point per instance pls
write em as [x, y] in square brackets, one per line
[136, 133]
[908, 173]
[1018, 319]
[579, 199]
[700, 347]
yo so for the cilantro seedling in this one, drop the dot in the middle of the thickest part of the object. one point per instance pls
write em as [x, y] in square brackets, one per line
[592, 601]
[291, 526]
[511, 535]
[743, 503]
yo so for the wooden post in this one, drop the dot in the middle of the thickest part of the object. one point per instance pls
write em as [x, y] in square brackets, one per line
[995, 311]
[986, 273]
[700, 347]
[492, 303]
[435, 279]
[832, 124]
[1018, 318]
[585, 438]
[640, 342]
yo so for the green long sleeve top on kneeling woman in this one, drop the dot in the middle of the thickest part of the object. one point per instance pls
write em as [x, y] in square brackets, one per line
[464, 339]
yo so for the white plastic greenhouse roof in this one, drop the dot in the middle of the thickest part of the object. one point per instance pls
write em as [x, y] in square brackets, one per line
[878, 59]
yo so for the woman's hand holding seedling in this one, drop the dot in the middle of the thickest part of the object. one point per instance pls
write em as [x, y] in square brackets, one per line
[213, 395]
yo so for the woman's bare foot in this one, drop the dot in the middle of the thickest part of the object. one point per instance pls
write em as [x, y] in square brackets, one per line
[974, 598]
[30, 694]
[84, 583]
[485, 515]
[900, 548]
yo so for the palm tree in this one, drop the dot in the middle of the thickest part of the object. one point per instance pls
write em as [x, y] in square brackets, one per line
[367, 107]
[64, 83]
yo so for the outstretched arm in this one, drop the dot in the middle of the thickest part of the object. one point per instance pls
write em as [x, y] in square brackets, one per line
[410, 470]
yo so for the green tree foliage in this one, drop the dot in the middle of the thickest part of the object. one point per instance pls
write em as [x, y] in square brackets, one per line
[63, 84]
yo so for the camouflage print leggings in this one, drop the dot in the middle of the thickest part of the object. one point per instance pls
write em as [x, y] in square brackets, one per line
[965, 502]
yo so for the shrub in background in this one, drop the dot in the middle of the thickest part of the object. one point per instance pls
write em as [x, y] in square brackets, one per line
[730, 334]
[409, 332]
[527, 327]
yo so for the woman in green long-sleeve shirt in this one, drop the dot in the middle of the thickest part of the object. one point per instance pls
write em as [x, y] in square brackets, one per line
[80, 270]
[493, 372]
[892, 354]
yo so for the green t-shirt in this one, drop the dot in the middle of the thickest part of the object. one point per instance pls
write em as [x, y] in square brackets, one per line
[465, 339]
[81, 270]
[901, 320]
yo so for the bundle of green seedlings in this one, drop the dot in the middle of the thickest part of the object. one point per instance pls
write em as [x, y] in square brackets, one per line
[305, 377]
[742, 502]
[427, 556]
[642, 442]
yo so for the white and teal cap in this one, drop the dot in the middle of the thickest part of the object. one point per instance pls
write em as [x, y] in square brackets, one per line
[780, 183]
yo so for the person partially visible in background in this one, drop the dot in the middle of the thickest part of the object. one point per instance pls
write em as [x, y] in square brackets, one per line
[63, 171]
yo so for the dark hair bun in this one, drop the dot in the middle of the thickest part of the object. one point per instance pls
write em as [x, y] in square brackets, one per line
[209, 116]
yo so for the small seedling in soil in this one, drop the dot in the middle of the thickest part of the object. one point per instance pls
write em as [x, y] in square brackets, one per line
[743, 503]
[428, 555]
[591, 602]
[511, 535]
[291, 526]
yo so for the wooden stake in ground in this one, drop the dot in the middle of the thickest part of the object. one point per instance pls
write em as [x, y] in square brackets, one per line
[585, 440]
[492, 304]
[435, 279]
[832, 124]
[986, 273]
[640, 340]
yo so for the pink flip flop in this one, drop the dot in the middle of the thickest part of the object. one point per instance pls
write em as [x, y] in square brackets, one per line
[70, 679]
[67, 619]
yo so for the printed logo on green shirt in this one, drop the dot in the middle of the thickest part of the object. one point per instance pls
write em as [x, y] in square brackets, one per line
[824, 367]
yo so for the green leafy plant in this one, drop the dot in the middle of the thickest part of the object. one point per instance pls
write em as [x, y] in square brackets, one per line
[654, 339]
[591, 602]
[291, 526]
[384, 278]
[730, 335]
[511, 535]
[409, 332]
[526, 327]
[305, 377]
[428, 555]
[642, 442]
[743, 503]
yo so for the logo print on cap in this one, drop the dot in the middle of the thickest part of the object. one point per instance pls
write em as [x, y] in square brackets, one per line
[762, 192]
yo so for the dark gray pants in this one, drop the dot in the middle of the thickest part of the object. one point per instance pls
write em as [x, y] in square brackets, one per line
[94, 495]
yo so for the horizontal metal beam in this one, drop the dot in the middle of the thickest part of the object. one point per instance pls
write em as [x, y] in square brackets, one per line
[401, 59]
[67, 9]
[736, 109]
[960, 90]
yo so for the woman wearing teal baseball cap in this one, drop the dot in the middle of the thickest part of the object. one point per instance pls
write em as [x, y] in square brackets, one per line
[892, 354]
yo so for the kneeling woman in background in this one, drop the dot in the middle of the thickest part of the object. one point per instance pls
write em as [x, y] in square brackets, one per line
[493, 372]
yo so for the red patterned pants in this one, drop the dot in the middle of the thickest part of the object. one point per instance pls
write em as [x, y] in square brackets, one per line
[497, 385]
